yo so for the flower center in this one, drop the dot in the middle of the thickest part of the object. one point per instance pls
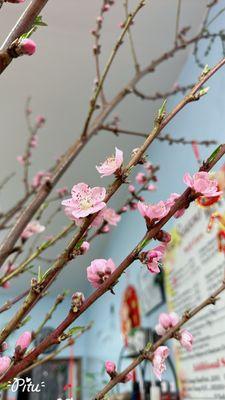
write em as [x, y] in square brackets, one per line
[85, 203]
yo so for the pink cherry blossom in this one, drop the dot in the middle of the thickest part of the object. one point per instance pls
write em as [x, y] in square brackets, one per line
[154, 257]
[112, 164]
[202, 183]
[110, 367]
[27, 46]
[24, 341]
[4, 364]
[84, 201]
[186, 339]
[158, 362]
[111, 216]
[99, 271]
[85, 247]
[141, 178]
[32, 228]
[153, 211]
[166, 321]
[39, 178]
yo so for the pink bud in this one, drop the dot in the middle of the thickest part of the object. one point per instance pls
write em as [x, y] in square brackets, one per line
[128, 377]
[110, 367]
[24, 341]
[28, 46]
[85, 247]
[4, 364]
[131, 188]
[164, 320]
[40, 120]
[186, 340]
[4, 347]
[6, 285]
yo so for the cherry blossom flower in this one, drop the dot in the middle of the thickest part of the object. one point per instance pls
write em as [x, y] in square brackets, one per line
[111, 164]
[154, 258]
[202, 183]
[27, 46]
[158, 362]
[110, 367]
[186, 339]
[171, 201]
[151, 188]
[166, 321]
[153, 211]
[32, 228]
[141, 178]
[24, 341]
[99, 271]
[84, 201]
[111, 216]
[4, 364]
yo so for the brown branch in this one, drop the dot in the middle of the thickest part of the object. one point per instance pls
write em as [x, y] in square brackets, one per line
[162, 138]
[9, 303]
[132, 47]
[183, 202]
[148, 354]
[161, 96]
[177, 20]
[75, 149]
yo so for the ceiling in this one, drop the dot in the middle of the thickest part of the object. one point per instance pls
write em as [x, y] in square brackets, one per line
[59, 77]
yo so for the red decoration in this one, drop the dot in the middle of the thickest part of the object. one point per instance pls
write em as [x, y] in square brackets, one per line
[130, 311]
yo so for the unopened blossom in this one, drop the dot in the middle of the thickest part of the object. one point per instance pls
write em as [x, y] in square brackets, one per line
[62, 191]
[110, 367]
[151, 188]
[106, 7]
[124, 209]
[131, 188]
[171, 201]
[85, 200]
[128, 377]
[106, 228]
[153, 211]
[133, 206]
[20, 159]
[141, 178]
[31, 229]
[39, 178]
[34, 141]
[111, 164]
[6, 285]
[40, 120]
[163, 236]
[99, 271]
[186, 339]
[85, 247]
[202, 183]
[100, 19]
[166, 321]
[24, 341]
[27, 46]
[158, 361]
[4, 364]
[77, 301]
[3, 347]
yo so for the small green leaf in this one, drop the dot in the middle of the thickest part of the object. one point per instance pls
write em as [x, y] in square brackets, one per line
[74, 330]
[162, 110]
[213, 155]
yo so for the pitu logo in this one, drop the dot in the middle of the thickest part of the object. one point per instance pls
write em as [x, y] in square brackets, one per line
[26, 384]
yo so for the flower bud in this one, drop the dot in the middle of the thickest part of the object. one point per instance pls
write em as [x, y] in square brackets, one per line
[4, 364]
[110, 368]
[27, 46]
[24, 341]
[77, 301]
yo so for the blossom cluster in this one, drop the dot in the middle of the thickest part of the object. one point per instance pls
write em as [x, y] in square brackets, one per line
[22, 343]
